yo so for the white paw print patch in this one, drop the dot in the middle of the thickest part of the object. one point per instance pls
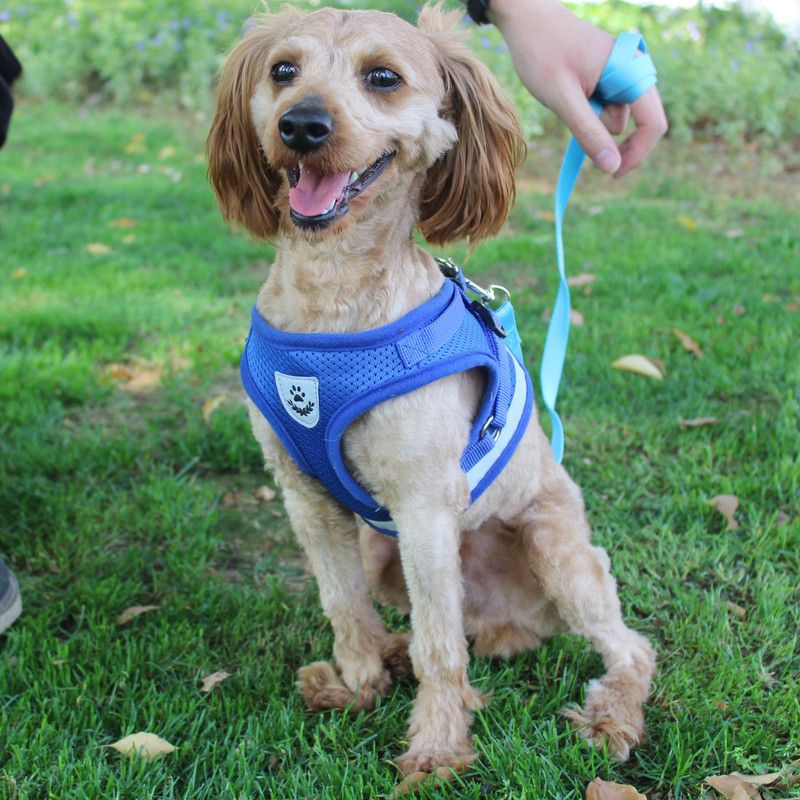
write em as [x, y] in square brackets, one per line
[300, 397]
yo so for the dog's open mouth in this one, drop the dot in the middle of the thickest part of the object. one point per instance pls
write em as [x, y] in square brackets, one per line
[316, 201]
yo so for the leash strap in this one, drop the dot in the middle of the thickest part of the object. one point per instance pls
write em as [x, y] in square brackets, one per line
[625, 78]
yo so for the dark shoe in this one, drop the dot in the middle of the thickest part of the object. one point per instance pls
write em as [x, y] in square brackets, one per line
[10, 600]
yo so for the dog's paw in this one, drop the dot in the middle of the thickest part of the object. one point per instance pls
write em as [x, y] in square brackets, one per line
[609, 720]
[415, 780]
[442, 763]
[395, 656]
[322, 688]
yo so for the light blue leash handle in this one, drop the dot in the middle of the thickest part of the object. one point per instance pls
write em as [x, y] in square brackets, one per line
[625, 78]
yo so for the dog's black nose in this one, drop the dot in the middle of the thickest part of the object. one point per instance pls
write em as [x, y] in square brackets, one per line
[306, 126]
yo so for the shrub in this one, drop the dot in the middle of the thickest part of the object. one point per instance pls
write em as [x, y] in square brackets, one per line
[722, 74]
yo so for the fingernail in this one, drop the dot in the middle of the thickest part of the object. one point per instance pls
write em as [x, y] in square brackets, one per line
[608, 160]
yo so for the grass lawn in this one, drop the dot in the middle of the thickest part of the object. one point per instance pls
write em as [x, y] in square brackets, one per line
[128, 472]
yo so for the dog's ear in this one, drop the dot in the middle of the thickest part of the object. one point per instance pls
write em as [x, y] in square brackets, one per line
[469, 191]
[242, 179]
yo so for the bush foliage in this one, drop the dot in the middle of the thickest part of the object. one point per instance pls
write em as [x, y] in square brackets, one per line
[723, 74]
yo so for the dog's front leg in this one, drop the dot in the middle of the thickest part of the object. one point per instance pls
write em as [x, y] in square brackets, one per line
[329, 537]
[439, 731]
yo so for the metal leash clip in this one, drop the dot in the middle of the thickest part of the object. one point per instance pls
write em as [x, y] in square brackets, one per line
[500, 319]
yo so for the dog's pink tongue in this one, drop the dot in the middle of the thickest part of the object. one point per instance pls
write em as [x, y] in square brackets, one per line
[314, 193]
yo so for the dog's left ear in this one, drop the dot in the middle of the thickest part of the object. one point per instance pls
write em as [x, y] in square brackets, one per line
[469, 191]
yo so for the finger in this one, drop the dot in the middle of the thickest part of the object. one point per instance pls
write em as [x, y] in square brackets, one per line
[615, 118]
[590, 132]
[651, 124]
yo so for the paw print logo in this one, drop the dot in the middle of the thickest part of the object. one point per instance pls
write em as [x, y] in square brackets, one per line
[298, 395]
[298, 402]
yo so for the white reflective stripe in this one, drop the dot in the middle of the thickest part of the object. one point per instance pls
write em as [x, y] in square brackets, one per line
[382, 525]
[515, 411]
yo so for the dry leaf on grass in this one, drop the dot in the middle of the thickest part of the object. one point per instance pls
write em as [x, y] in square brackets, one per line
[211, 405]
[145, 745]
[265, 494]
[726, 504]
[736, 609]
[19, 273]
[576, 318]
[599, 789]
[166, 152]
[697, 422]
[213, 680]
[136, 376]
[123, 222]
[741, 787]
[688, 343]
[687, 222]
[639, 364]
[134, 611]
[584, 279]
[98, 249]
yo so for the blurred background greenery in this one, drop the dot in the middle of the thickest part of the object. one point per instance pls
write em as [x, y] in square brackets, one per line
[725, 75]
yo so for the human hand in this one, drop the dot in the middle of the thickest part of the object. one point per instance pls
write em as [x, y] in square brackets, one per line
[559, 59]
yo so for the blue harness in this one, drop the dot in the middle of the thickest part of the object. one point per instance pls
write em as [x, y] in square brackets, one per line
[311, 386]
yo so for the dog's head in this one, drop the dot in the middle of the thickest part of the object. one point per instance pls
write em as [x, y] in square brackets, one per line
[323, 117]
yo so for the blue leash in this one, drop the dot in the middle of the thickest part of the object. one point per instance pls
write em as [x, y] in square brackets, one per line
[625, 78]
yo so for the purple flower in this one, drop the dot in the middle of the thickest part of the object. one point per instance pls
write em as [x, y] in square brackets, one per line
[485, 43]
[158, 39]
[694, 31]
[749, 46]
[5, 16]
[140, 46]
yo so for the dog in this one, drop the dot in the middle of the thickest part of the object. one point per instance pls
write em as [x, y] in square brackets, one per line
[338, 134]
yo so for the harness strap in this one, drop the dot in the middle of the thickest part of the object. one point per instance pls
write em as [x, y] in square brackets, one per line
[424, 342]
[627, 75]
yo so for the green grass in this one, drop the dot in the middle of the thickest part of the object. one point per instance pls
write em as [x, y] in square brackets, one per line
[110, 498]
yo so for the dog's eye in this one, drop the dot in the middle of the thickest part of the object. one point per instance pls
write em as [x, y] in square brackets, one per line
[383, 79]
[284, 72]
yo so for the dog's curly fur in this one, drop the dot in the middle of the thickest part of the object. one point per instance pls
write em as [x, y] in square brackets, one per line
[518, 565]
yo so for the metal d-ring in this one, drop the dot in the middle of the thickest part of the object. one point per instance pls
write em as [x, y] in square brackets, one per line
[485, 429]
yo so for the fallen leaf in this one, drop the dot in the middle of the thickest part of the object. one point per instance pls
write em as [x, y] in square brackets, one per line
[119, 372]
[638, 364]
[737, 610]
[143, 380]
[166, 152]
[736, 786]
[146, 745]
[739, 310]
[19, 273]
[599, 789]
[734, 233]
[547, 216]
[792, 307]
[584, 279]
[769, 298]
[211, 405]
[128, 238]
[98, 249]
[230, 499]
[688, 343]
[697, 422]
[726, 504]
[123, 222]
[732, 787]
[687, 222]
[134, 611]
[213, 680]
[265, 494]
[576, 318]
[721, 705]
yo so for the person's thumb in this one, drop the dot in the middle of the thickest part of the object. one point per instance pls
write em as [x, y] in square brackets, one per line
[591, 134]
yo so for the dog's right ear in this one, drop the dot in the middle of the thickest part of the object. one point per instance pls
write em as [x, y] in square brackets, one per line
[242, 179]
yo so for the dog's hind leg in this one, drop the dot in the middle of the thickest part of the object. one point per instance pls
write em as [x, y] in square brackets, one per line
[576, 577]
